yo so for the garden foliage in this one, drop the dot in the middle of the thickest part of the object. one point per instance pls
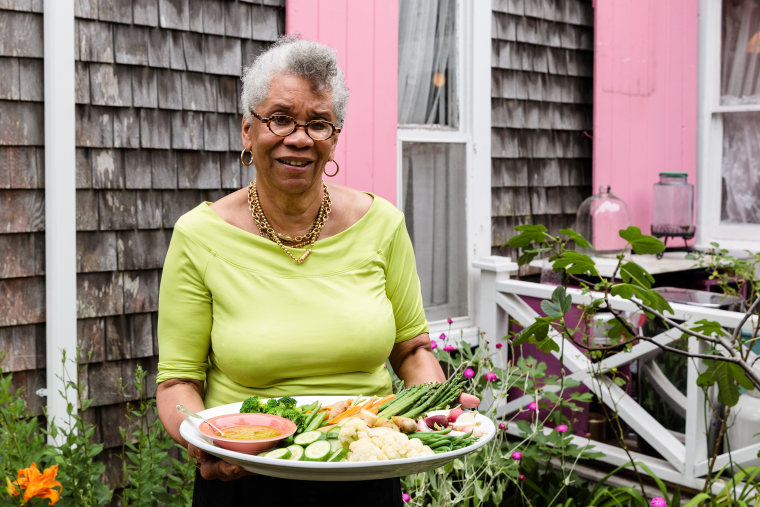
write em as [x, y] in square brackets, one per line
[150, 473]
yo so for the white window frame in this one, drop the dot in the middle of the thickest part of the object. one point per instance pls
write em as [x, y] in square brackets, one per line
[710, 140]
[474, 131]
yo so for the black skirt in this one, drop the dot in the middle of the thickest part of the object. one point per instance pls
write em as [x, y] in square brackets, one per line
[265, 490]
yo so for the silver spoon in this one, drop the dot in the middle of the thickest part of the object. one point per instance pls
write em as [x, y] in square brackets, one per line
[184, 410]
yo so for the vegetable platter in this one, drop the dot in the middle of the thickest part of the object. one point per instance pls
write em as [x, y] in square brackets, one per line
[305, 469]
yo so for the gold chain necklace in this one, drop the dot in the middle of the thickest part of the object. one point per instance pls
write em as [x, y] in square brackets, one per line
[268, 231]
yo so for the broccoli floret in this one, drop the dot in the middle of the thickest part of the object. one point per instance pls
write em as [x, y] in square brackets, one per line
[287, 402]
[290, 413]
[251, 405]
[284, 407]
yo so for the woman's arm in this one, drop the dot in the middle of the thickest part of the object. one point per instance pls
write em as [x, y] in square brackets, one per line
[173, 392]
[414, 363]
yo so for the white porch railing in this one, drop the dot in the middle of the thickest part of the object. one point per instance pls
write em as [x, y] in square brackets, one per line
[683, 460]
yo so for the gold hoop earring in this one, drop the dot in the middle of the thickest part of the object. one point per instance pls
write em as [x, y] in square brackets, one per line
[242, 157]
[337, 168]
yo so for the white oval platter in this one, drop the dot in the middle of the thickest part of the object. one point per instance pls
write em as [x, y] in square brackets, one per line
[320, 471]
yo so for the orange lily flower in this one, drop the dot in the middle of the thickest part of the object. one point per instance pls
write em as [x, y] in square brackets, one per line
[37, 484]
[10, 489]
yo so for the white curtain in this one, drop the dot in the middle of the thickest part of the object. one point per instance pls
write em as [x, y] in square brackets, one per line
[434, 207]
[427, 49]
[740, 85]
[740, 58]
[741, 168]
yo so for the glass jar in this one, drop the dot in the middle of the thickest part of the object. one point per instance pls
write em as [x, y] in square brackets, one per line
[600, 218]
[673, 206]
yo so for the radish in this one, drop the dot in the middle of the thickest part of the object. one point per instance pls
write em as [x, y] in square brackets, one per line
[441, 421]
[454, 414]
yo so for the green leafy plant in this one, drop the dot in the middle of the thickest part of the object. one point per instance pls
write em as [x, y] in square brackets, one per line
[23, 441]
[150, 474]
[79, 470]
[153, 469]
[728, 358]
[729, 363]
[537, 467]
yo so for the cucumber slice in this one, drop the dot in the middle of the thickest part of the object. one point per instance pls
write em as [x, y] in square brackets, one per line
[334, 444]
[296, 452]
[281, 453]
[317, 451]
[334, 432]
[308, 437]
[338, 455]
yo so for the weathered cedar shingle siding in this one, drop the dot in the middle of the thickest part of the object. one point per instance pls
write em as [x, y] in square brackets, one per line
[541, 95]
[22, 210]
[157, 132]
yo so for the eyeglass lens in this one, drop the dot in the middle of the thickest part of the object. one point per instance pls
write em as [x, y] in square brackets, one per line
[285, 125]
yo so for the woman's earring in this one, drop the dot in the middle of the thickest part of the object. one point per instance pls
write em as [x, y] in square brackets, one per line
[242, 157]
[337, 168]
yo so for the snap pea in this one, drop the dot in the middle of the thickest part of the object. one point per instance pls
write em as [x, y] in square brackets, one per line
[314, 407]
[419, 434]
[316, 422]
[462, 438]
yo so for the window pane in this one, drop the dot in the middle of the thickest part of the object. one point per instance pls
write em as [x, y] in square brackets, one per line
[740, 203]
[427, 62]
[740, 53]
[434, 205]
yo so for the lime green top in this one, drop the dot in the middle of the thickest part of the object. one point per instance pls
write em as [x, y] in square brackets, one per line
[237, 313]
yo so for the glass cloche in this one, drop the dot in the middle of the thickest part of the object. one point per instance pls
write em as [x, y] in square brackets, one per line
[600, 218]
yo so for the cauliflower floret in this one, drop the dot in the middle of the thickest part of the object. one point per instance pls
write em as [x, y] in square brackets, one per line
[382, 443]
[365, 450]
[352, 429]
[416, 449]
[392, 443]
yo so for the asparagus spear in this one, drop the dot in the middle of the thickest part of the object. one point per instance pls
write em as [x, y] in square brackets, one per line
[442, 396]
[406, 403]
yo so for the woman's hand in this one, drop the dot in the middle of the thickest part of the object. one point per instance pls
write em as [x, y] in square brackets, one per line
[468, 401]
[212, 467]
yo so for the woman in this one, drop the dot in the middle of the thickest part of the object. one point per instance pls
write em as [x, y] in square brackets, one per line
[289, 286]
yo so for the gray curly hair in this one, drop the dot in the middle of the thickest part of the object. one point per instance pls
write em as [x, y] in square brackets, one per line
[292, 56]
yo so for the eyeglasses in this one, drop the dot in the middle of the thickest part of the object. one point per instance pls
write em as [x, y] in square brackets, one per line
[283, 125]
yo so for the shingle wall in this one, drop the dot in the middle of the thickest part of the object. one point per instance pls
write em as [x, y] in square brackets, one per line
[157, 132]
[22, 198]
[541, 96]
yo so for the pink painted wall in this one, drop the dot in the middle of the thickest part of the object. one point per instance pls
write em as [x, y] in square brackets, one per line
[645, 98]
[365, 35]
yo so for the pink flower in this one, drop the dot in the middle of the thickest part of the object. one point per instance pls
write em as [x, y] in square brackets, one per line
[499, 345]
[449, 348]
[521, 477]
[533, 406]
[433, 344]
[503, 426]
[442, 336]
[468, 373]
[405, 497]
[449, 320]
[490, 376]
[562, 428]
[517, 455]
[659, 501]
